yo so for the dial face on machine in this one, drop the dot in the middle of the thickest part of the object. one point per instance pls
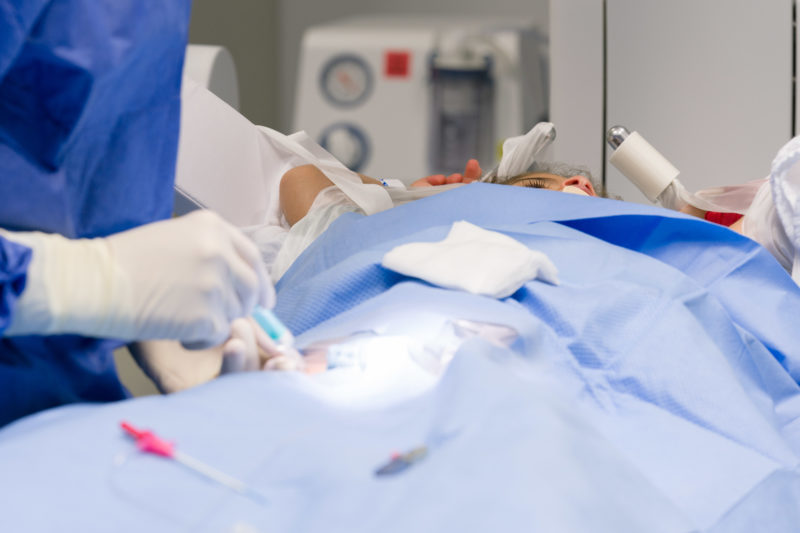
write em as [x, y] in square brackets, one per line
[346, 80]
[348, 143]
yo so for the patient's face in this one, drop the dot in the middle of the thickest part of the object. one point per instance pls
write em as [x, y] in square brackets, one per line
[543, 180]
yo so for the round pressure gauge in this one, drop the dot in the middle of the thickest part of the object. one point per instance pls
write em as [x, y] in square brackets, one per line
[348, 143]
[346, 80]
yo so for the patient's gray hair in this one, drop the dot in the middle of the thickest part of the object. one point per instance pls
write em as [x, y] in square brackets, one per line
[561, 169]
[556, 168]
[550, 167]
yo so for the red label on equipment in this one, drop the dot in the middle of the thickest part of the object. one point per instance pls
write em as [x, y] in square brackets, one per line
[397, 64]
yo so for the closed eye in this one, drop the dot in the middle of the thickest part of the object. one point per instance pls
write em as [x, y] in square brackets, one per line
[534, 183]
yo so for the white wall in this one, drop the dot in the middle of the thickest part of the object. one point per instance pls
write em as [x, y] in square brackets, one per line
[297, 15]
[717, 101]
[708, 83]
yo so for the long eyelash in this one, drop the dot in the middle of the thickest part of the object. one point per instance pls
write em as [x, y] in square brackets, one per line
[535, 183]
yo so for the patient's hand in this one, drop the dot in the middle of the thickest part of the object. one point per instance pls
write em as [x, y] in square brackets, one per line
[472, 172]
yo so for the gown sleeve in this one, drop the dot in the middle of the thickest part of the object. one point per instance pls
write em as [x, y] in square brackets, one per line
[14, 261]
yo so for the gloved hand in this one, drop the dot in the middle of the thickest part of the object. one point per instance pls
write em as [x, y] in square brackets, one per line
[674, 196]
[173, 368]
[250, 348]
[186, 279]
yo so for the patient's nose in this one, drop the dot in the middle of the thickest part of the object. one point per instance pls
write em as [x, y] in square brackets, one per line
[582, 183]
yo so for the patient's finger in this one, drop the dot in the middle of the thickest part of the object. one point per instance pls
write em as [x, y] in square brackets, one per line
[472, 171]
[428, 181]
[455, 178]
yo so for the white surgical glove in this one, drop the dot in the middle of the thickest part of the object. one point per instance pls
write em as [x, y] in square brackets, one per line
[186, 279]
[675, 196]
[727, 199]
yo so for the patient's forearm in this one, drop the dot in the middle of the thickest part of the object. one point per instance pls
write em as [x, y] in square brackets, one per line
[300, 187]
[372, 181]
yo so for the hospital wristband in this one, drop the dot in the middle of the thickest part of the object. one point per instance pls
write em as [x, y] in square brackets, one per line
[392, 183]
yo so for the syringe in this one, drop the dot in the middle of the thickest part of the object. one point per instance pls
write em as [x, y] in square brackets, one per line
[273, 327]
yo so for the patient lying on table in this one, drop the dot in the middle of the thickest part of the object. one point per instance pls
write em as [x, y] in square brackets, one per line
[222, 149]
[311, 202]
[749, 209]
[305, 189]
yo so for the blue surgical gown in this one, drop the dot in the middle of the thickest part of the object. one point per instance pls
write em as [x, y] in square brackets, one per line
[89, 117]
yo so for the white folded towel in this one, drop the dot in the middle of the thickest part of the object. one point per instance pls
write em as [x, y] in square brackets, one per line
[474, 260]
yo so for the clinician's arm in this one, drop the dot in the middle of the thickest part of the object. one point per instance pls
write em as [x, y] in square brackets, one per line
[700, 213]
[15, 260]
[185, 278]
